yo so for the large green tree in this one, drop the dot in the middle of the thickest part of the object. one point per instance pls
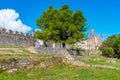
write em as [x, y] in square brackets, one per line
[61, 25]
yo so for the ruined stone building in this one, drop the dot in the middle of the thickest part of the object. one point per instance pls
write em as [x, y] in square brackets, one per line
[92, 43]
[14, 38]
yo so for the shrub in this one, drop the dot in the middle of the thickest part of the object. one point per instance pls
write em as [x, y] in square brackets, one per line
[111, 46]
[108, 52]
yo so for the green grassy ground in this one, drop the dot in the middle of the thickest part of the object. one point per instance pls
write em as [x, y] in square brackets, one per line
[61, 71]
[99, 60]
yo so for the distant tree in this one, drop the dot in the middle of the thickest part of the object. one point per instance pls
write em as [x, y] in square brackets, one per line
[108, 52]
[61, 25]
[111, 46]
[116, 46]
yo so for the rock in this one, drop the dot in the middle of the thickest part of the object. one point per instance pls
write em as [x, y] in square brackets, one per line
[78, 63]
[19, 63]
[111, 61]
[105, 67]
[95, 59]
[12, 70]
[44, 65]
[30, 66]
[56, 59]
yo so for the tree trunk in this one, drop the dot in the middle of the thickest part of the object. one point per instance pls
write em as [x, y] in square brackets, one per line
[64, 45]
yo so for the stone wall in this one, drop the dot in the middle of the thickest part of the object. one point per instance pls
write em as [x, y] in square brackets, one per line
[49, 50]
[17, 63]
[14, 38]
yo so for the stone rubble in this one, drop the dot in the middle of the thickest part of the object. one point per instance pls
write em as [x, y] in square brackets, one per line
[18, 63]
[12, 70]
[111, 61]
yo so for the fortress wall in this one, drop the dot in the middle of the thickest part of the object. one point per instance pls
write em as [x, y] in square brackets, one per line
[14, 38]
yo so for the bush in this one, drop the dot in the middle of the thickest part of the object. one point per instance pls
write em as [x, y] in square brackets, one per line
[108, 52]
[111, 46]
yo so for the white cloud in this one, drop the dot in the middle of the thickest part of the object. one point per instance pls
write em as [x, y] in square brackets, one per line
[9, 19]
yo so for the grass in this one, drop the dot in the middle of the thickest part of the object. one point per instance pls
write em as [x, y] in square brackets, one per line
[91, 59]
[12, 47]
[38, 57]
[61, 71]
[6, 55]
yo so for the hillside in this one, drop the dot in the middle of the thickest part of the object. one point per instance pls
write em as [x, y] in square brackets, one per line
[29, 66]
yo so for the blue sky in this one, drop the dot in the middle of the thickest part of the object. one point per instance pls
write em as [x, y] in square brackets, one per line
[102, 15]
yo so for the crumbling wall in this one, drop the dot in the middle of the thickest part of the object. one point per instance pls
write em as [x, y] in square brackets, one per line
[14, 38]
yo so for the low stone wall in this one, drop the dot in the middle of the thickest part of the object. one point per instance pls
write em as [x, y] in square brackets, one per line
[48, 50]
[17, 63]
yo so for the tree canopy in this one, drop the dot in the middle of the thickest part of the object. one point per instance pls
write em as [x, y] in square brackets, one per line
[61, 25]
[111, 46]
